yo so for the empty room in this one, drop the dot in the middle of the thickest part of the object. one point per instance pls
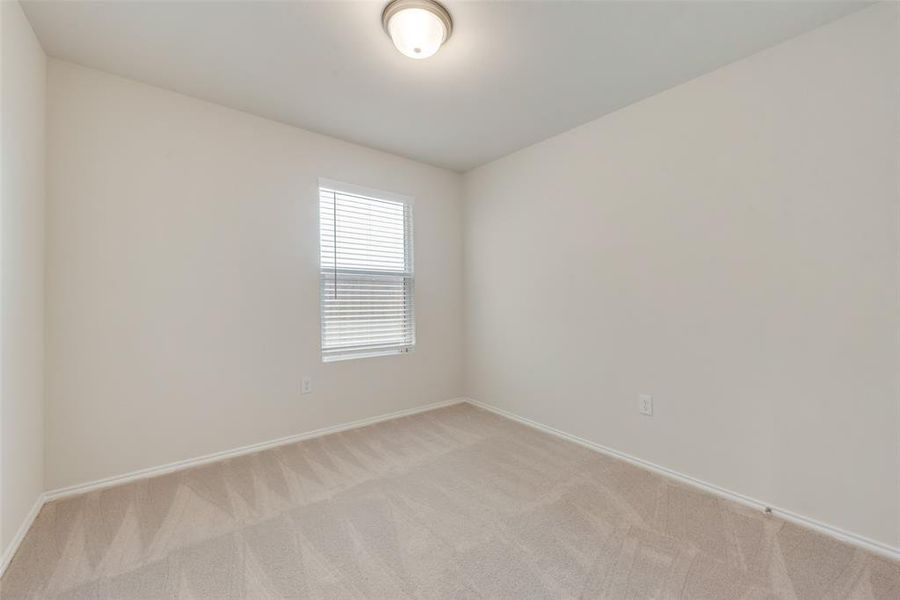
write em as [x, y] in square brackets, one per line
[450, 299]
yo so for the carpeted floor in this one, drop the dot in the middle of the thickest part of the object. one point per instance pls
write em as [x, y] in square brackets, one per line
[453, 503]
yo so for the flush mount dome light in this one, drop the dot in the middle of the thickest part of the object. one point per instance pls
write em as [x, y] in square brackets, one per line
[418, 28]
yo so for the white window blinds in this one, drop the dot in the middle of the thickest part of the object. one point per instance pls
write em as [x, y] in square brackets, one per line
[366, 273]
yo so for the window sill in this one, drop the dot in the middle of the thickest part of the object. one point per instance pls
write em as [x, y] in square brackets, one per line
[368, 354]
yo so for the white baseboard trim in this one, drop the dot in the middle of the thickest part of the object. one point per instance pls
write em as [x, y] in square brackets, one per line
[91, 486]
[859, 541]
[10, 551]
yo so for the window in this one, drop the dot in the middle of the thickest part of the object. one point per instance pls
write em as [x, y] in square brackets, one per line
[366, 267]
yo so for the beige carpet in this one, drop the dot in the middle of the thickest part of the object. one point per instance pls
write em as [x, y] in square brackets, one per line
[454, 503]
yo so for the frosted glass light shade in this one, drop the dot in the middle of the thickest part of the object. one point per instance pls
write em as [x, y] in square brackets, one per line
[418, 28]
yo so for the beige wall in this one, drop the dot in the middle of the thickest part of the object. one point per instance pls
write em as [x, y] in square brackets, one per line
[22, 263]
[183, 305]
[729, 246]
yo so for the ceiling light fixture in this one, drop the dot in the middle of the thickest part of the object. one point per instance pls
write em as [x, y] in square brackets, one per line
[418, 28]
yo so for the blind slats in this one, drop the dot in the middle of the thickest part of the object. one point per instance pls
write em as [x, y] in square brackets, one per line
[366, 275]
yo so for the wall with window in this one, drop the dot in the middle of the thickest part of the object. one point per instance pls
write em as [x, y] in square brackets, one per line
[183, 280]
[729, 246]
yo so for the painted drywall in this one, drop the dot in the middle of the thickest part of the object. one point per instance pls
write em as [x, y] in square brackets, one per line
[729, 246]
[24, 76]
[183, 281]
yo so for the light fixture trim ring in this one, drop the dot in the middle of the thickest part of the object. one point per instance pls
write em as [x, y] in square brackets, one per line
[431, 6]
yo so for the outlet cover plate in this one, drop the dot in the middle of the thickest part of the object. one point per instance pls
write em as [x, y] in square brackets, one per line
[645, 404]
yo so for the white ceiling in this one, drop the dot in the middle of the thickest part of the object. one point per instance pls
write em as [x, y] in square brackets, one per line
[513, 73]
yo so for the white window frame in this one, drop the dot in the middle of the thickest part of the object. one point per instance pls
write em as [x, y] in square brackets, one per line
[358, 190]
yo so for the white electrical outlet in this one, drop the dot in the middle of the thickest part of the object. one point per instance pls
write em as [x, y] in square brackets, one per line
[306, 385]
[645, 404]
